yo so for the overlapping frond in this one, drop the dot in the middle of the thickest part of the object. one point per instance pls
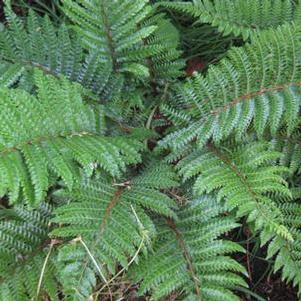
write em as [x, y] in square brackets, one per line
[134, 43]
[165, 63]
[37, 43]
[51, 132]
[157, 175]
[240, 17]
[288, 254]
[10, 74]
[87, 198]
[22, 255]
[103, 26]
[149, 52]
[190, 257]
[109, 226]
[290, 148]
[248, 179]
[22, 230]
[242, 176]
[257, 84]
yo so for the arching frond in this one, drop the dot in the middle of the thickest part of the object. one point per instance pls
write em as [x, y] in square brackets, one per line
[51, 132]
[288, 254]
[37, 43]
[10, 74]
[135, 43]
[191, 258]
[23, 250]
[290, 148]
[243, 180]
[257, 84]
[240, 17]
[109, 226]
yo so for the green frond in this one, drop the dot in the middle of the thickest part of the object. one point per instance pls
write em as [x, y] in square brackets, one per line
[99, 123]
[288, 254]
[10, 74]
[104, 69]
[257, 84]
[104, 27]
[37, 43]
[22, 255]
[190, 257]
[290, 148]
[240, 17]
[242, 176]
[21, 281]
[136, 43]
[108, 223]
[165, 63]
[51, 132]
[22, 230]
[152, 176]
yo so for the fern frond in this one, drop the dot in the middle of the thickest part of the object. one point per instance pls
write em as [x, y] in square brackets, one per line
[240, 17]
[37, 43]
[165, 63]
[50, 132]
[21, 230]
[190, 257]
[259, 82]
[22, 279]
[129, 36]
[22, 254]
[109, 224]
[288, 254]
[105, 27]
[290, 148]
[152, 176]
[242, 176]
[10, 74]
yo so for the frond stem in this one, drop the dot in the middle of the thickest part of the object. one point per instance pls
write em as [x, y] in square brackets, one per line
[251, 95]
[109, 36]
[187, 256]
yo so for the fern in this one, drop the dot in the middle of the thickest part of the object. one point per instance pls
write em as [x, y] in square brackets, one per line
[10, 74]
[37, 43]
[115, 168]
[130, 43]
[252, 185]
[258, 82]
[243, 180]
[109, 225]
[290, 150]
[51, 132]
[240, 17]
[22, 254]
[190, 256]
[288, 254]
[114, 36]
[164, 64]
[27, 236]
